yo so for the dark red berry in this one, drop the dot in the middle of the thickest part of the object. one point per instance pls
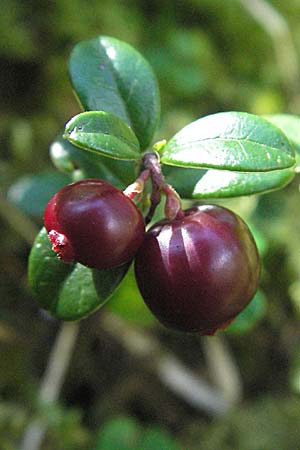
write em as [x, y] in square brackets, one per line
[198, 272]
[94, 223]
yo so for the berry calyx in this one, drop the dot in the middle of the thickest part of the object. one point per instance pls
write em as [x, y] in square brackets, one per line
[94, 223]
[198, 271]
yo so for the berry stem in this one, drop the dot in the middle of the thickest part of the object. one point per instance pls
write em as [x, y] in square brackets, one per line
[173, 209]
[137, 187]
[173, 204]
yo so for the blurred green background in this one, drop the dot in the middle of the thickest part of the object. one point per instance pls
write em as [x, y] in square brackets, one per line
[132, 384]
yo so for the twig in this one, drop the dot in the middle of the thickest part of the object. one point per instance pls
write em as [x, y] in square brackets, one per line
[191, 387]
[223, 368]
[52, 381]
[176, 376]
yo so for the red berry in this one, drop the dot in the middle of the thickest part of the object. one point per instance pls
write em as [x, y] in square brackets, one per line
[94, 223]
[198, 272]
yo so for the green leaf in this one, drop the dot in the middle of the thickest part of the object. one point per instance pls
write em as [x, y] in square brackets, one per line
[103, 133]
[234, 141]
[250, 316]
[69, 159]
[68, 291]
[31, 193]
[110, 75]
[81, 164]
[212, 183]
[290, 125]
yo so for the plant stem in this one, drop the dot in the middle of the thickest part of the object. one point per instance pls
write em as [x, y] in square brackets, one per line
[223, 368]
[52, 381]
[173, 204]
[137, 187]
[185, 383]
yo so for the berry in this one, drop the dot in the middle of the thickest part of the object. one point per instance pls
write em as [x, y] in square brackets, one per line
[197, 272]
[94, 223]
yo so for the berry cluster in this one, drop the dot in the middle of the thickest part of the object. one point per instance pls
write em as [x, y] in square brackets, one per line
[196, 270]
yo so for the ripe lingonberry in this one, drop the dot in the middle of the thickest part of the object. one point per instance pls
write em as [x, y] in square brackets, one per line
[197, 272]
[94, 223]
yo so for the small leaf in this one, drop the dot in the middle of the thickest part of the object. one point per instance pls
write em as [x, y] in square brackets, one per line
[46, 272]
[212, 183]
[110, 75]
[103, 133]
[31, 193]
[290, 125]
[230, 141]
[68, 291]
[68, 158]
[81, 164]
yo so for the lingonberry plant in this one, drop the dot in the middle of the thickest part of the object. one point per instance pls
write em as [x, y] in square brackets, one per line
[196, 269]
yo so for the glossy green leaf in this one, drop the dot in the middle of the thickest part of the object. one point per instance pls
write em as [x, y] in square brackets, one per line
[81, 164]
[110, 75]
[250, 316]
[31, 193]
[234, 141]
[290, 125]
[103, 133]
[68, 291]
[213, 183]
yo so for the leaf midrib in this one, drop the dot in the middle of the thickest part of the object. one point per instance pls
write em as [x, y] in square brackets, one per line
[237, 140]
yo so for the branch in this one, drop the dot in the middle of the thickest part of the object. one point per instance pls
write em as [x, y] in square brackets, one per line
[223, 368]
[176, 376]
[52, 381]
